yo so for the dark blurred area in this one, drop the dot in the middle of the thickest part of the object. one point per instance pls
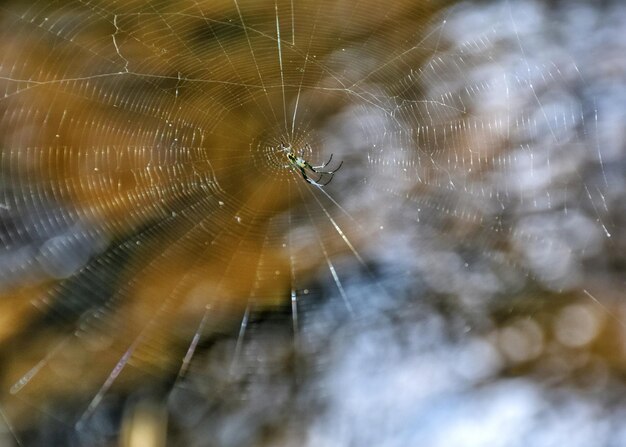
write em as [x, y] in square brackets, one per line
[167, 278]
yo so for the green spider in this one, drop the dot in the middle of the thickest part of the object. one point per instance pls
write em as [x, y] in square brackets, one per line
[305, 168]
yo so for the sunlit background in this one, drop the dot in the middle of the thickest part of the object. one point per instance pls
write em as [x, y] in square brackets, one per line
[167, 277]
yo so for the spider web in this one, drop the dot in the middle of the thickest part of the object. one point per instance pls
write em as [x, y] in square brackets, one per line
[146, 204]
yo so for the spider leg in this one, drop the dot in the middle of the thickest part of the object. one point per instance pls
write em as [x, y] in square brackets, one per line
[333, 171]
[305, 177]
[314, 182]
[284, 147]
[312, 168]
[326, 164]
[337, 168]
[329, 180]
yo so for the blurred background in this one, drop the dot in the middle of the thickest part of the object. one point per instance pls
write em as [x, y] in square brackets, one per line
[167, 278]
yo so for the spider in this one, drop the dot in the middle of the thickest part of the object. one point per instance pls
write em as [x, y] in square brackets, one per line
[305, 168]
